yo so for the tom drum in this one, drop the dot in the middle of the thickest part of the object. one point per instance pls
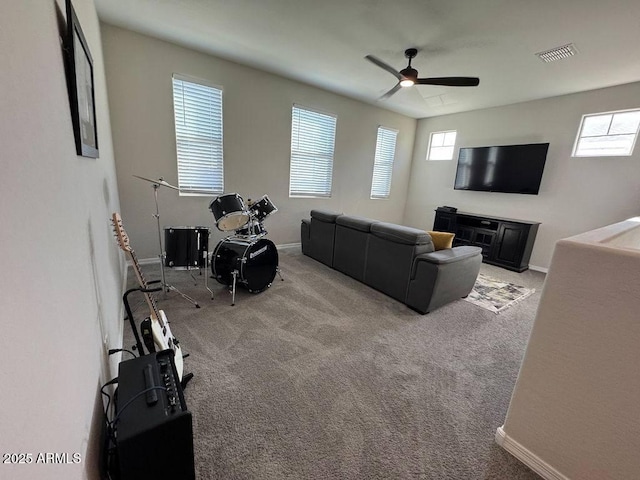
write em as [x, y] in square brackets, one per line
[263, 208]
[229, 212]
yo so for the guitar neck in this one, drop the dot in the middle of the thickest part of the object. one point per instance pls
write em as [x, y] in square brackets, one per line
[151, 302]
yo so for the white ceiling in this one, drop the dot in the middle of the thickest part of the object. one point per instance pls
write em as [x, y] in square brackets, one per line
[324, 42]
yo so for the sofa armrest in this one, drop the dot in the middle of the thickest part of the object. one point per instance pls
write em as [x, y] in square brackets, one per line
[443, 276]
[305, 233]
[448, 255]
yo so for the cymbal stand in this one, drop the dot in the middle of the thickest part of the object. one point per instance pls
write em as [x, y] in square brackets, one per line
[165, 285]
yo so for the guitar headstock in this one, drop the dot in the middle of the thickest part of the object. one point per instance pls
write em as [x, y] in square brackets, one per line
[121, 235]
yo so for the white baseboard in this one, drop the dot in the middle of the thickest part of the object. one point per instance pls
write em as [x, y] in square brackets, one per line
[285, 246]
[538, 269]
[527, 457]
[145, 261]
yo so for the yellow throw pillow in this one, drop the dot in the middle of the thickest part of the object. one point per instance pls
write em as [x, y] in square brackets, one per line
[441, 240]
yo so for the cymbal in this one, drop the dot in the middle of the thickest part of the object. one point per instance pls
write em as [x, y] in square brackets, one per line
[160, 181]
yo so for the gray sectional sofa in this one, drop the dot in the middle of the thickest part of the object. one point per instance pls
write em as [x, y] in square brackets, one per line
[399, 261]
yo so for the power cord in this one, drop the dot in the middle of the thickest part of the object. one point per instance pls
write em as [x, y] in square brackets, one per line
[109, 450]
[113, 423]
[116, 350]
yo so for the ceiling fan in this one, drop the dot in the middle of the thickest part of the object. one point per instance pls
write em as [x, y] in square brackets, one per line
[407, 77]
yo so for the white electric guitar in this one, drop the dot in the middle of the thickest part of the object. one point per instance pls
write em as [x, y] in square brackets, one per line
[162, 337]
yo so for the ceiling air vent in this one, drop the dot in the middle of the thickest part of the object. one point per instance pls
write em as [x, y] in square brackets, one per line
[558, 53]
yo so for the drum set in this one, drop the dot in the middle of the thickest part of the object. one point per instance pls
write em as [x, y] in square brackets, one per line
[244, 258]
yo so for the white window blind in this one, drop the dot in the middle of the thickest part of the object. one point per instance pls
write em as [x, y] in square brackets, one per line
[383, 162]
[198, 120]
[441, 145]
[607, 134]
[312, 145]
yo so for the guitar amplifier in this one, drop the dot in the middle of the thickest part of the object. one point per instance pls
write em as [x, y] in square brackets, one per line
[154, 435]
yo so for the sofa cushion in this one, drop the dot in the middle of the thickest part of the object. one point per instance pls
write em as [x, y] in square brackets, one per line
[441, 240]
[356, 223]
[351, 245]
[401, 234]
[325, 215]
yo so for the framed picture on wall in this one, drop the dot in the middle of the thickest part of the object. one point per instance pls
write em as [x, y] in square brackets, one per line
[81, 87]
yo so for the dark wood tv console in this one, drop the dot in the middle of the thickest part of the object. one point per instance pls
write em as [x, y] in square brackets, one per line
[505, 242]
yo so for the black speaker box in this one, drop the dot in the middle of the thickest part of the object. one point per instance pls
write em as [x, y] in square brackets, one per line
[154, 433]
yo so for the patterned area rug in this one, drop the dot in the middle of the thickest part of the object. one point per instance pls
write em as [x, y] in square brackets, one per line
[495, 295]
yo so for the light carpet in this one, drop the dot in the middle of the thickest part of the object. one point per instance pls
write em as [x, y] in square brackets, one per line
[322, 377]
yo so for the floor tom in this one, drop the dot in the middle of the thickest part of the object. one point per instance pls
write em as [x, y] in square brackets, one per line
[186, 247]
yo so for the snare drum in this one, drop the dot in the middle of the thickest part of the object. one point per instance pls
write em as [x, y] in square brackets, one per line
[256, 262]
[263, 208]
[186, 247]
[229, 212]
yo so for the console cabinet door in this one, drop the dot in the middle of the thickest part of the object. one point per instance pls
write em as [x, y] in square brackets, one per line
[445, 222]
[510, 243]
[484, 239]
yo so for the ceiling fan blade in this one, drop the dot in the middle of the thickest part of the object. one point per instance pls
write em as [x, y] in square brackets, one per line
[450, 81]
[391, 92]
[383, 65]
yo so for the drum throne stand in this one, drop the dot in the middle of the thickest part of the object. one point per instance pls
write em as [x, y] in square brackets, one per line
[167, 287]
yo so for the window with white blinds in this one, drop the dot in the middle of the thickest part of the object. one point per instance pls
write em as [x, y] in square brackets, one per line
[383, 162]
[198, 119]
[312, 145]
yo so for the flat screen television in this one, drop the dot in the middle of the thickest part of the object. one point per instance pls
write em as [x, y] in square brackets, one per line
[507, 168]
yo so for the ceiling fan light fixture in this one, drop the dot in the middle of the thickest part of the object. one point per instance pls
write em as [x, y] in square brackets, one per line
[407, 82]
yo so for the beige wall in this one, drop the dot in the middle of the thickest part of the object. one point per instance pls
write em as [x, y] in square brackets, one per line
[257, 136]
[574, 412]
[576, 195]
[62, 274]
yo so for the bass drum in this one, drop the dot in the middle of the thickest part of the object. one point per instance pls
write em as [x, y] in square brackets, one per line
[256, 262]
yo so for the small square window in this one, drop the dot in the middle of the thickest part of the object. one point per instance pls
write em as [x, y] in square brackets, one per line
[442, 145]
[607, 134]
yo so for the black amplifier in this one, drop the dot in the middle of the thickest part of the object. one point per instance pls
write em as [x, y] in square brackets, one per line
[154, 435]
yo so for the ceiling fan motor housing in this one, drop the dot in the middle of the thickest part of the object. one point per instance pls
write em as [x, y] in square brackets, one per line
[409, 72]
[410, 52]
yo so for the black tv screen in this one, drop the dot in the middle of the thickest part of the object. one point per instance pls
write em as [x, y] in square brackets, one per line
[507, 168]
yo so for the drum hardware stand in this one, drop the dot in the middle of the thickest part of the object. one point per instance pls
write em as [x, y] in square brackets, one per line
[206, 273]
[233, 291]
[165, 285]
[235, 274]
